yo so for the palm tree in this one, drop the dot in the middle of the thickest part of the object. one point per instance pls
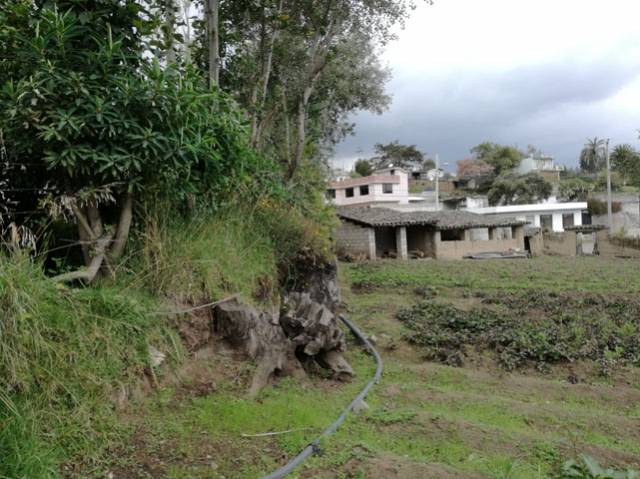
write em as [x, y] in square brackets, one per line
[592, 155]
[626, 160]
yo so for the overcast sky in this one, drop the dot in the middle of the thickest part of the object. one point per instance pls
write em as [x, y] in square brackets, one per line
[546, 72]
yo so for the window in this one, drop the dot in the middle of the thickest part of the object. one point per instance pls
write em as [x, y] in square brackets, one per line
[364, 190]
[546, 222]
[387, 188]
[331, 193]
[452, 235]
[393, 172]
[349, 192]
[567, 220]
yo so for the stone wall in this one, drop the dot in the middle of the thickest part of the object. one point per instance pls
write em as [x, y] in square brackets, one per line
[560, 244]
[608, 248]
[354, 239]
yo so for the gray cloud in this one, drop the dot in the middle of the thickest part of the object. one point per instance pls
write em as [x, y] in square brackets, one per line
[554, 106]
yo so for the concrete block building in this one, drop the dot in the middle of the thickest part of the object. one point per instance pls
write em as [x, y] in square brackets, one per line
[383, 232]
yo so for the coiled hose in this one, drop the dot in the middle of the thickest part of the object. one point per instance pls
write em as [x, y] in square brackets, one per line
[311, 448]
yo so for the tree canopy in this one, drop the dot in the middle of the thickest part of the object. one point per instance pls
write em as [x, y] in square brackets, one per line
[625, 160]
[513, 189]
[501, 157]
[402, 156]
[592, 156]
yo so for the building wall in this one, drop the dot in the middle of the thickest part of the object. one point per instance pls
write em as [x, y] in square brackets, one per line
[610, 249]
[628, 219]
[536, 245]
[560, 244]
[458, 249]
[400, 194]
[354, 239]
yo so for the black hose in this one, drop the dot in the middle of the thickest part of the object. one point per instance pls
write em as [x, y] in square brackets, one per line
[307, 451]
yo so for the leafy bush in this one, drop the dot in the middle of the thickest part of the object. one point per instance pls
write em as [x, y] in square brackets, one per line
[538, 328]
[599, 208]
[589, 468]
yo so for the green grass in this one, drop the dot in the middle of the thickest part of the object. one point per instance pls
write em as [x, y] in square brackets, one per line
[62, 350]
[585, 274]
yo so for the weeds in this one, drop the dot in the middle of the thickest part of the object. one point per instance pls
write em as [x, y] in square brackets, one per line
[588, 468]
[61, 352]
[535, 327]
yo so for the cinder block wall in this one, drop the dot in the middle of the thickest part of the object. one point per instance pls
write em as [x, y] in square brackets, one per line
[352, 238]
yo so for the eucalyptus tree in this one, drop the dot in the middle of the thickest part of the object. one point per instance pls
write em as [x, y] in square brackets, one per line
[299, 67]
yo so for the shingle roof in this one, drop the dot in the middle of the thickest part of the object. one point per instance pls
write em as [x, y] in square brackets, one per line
[440, 220]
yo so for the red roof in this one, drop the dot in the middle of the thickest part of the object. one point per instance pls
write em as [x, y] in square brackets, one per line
[365, 180]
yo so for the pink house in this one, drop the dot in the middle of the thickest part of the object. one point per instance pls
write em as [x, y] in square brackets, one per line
[385, 186]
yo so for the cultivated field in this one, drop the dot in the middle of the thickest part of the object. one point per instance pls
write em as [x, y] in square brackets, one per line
[498, 369]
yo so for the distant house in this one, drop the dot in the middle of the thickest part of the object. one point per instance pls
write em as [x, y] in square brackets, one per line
[543, 165]
[383, 232]
[385, 186]
[549, 216]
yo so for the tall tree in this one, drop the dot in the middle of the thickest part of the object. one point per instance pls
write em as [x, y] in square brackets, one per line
[212, 12]
[472, 168]
[363, 167]
[512, 189]
[501, 157]
[402, 156]
[592, 156]
[626, 160]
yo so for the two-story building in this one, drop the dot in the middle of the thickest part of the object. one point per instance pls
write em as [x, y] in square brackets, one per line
[385, 186]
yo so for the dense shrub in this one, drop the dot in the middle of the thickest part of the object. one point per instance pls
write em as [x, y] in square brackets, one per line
[539, 328]
[599, 208]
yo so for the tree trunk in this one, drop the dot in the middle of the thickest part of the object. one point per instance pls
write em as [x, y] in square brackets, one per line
[124, 226]
[212, 11]
[170, 32]
[267, 63]
[90, 274]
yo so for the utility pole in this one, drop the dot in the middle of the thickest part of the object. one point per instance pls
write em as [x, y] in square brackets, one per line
[437, 183]
[609, 209]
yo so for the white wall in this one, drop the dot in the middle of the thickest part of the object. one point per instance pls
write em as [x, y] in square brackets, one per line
[400, 193]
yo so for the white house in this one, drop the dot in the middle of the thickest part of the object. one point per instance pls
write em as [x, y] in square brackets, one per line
[385, 186]
[554, 216]
[544, 165]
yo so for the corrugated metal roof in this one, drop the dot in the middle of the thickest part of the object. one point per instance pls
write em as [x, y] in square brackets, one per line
[440, 220]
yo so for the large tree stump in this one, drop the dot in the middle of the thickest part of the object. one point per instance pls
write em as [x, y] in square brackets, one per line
[260, 337]
[314, 330]
[304, 329]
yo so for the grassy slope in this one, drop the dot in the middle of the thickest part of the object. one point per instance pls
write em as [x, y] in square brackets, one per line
[425, 420]
[64, 351]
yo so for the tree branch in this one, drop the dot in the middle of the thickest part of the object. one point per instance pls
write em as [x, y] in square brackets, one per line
[89, 275]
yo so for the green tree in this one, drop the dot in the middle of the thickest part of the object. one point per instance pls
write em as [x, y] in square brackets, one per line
[592, 156]
[512, 189]
[402, 156]
[501, 157]
[94, 129]
[576, 189]
[363, 167]
[626, 161]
